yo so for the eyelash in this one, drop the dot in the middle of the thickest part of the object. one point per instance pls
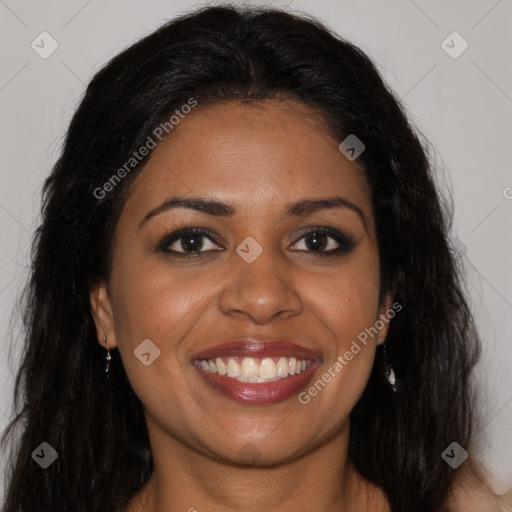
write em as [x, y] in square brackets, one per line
[346, 242]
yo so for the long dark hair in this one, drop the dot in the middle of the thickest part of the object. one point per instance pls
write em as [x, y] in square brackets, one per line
[218, 54]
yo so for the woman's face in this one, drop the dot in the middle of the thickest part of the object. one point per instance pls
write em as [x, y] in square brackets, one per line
[261, 272]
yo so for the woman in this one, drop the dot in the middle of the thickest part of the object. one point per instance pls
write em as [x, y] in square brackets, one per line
[242, 293]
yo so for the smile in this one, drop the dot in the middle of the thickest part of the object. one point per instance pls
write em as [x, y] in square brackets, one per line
[257, 372]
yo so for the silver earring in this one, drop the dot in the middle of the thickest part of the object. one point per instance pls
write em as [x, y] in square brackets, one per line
[108, 358]
[388, 370]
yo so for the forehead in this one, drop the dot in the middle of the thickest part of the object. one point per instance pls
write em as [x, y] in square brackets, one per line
[258, 155]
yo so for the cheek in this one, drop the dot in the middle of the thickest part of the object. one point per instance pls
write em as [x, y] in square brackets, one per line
[346, 306]
[346, 310]
[156, 305]
[347, 300]
[157, 297]
[155, 301]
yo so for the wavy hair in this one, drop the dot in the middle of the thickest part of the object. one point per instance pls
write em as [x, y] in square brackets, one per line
[219, 54]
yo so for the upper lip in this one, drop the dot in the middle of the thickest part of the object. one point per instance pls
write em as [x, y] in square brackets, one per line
[258, 349]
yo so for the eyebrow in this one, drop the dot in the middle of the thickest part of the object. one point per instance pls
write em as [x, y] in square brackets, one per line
[221, 209]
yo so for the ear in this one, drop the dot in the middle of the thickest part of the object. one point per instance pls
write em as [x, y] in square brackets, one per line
[101, 310]
[385, 315]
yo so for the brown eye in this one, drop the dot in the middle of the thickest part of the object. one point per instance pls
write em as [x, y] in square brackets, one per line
[188, 242]
[325, 241]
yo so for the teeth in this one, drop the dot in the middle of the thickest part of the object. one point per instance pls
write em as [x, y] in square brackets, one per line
[233, 368]
[249, 370]
[221, 367]
[268, 369]
[282, 367]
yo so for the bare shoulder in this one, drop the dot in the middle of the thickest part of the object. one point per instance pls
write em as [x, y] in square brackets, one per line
[505, 502]
[472, 492]
[464, 498]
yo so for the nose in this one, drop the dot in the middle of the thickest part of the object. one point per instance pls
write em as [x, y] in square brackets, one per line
[261, 290]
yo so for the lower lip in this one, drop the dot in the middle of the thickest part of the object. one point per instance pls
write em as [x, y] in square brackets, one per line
[258, 392]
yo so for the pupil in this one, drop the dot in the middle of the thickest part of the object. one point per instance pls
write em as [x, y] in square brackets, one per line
[192, 242]
[316, 241]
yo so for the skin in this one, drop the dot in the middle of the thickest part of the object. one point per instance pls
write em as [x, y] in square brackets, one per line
[259, 158]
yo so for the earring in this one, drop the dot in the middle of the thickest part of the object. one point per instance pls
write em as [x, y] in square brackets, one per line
[108, 358]
[388, 370]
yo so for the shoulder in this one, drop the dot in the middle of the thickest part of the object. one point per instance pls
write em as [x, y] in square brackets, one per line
[505, 502]
[474, 494]
[472, 491]
[468, 499]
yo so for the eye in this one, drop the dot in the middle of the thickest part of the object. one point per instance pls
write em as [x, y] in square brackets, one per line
[192, 241]
[325, 241]
[188, 242]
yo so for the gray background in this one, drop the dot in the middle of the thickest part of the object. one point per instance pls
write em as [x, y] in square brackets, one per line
[462, 105]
